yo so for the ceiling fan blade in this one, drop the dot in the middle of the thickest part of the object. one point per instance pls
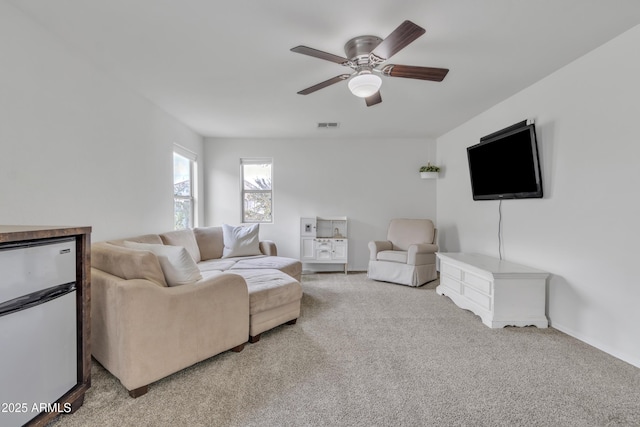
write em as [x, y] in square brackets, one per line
[411, 72]
[373, 99]
[397, 40]
[320, 54]
[324, 84]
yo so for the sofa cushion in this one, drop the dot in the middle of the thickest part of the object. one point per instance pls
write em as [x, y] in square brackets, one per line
[269, 288]
[290, 266]
[241, 240]
[184, 238]
[210, 242]
[216, 264]
[127, 263]
[207, 275]
[177, 264]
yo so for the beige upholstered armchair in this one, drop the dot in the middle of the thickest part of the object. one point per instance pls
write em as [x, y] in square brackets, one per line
[407, 257]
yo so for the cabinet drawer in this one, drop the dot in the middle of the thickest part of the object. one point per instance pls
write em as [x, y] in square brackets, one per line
[482, 300]
[452, 271]
[483, 285]
[450, 283]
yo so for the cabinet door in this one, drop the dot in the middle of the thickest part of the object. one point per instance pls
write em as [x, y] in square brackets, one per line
[323, 255]
[307, 250]
[340, 250]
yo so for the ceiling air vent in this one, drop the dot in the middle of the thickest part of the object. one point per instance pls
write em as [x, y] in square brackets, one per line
[328, 125]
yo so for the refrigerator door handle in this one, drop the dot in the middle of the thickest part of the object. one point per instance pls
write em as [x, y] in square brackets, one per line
[36, 298]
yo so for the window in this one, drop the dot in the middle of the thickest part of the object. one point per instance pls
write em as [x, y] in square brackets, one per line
[184, 164]
[257, 190]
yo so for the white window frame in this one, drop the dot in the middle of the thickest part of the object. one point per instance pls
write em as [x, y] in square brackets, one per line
[193, 161]
[255, 161]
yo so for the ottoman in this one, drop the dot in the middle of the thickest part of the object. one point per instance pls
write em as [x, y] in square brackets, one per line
[290, 266]
[274, 299]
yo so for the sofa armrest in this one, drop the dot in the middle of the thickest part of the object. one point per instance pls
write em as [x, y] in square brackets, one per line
[142, 332]
[377, 246]
[268, 248]
[419, 254]
[127, 263]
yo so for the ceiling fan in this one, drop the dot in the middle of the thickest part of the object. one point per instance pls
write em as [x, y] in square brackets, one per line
[366, 56]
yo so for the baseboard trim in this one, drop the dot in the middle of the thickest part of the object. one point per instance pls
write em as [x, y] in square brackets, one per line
[632, 360]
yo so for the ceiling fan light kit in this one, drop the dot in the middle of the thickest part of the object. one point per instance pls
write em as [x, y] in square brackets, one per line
[364, 84]
[365, 56]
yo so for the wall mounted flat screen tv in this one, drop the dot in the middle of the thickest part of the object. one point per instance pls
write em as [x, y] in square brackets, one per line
[505, 164]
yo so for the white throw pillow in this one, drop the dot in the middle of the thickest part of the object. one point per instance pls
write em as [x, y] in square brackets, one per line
[240, 241]
[178, 266]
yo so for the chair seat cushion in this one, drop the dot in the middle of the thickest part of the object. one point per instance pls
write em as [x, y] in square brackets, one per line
[393, 256]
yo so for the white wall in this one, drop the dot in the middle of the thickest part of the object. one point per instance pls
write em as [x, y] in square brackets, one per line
[585, 229]
[369, 181]
[77, 147]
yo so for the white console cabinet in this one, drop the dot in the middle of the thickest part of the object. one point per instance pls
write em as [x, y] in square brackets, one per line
[324, 241]
[502, 293]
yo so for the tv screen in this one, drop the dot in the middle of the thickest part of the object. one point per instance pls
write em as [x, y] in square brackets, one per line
[505, 165]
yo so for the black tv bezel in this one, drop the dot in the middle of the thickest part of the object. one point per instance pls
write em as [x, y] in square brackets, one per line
[502, 134]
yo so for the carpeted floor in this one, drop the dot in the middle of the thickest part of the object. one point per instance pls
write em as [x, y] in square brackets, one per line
[366, 353]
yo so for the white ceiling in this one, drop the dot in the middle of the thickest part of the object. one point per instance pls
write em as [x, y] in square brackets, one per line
[224, 67]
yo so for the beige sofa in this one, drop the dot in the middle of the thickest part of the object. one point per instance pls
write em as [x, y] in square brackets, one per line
[144, 327]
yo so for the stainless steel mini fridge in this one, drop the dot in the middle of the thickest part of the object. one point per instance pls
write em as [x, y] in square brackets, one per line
[38, 338]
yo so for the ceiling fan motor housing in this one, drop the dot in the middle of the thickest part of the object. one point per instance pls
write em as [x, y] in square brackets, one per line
[358, 49]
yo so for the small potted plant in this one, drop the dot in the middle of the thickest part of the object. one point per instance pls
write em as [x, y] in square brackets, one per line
[429, 171]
